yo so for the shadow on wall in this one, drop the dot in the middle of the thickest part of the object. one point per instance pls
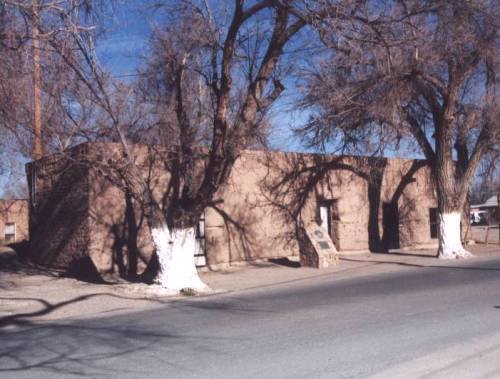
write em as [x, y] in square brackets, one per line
[242, 236]
[119, 235]
[127, 233]
[58, 213]
[295, 183]
[121, 242]
[125, 248]
[84, 220]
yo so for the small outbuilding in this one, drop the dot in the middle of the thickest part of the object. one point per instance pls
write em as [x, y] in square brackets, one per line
[13, 221]
[79, 218]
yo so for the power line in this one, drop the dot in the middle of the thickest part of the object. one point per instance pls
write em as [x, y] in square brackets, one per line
[126, 75]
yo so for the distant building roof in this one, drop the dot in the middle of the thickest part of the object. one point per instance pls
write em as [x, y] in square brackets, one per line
[491, 202]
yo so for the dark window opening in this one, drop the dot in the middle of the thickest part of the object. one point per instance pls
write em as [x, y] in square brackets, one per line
[433, 222]
[390, 224]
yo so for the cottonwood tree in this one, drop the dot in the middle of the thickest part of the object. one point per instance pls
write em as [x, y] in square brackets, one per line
[412, 72]
[232, 66]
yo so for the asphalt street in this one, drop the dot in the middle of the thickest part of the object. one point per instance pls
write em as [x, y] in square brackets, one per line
[408, 321]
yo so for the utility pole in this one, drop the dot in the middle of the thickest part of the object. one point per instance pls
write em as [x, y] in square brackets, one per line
[498, 215]
[37, 91]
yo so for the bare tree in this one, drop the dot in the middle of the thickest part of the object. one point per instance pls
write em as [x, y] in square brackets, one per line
[412, 72]
[216, 80]
[13, 92]
[487, 180]
[40, 94]
[40, 89]
[220, 72]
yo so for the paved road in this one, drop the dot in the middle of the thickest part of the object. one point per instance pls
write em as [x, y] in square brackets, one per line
[407, 321]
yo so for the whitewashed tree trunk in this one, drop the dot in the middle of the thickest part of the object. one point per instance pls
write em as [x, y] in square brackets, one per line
[450, 243]
[176, 249]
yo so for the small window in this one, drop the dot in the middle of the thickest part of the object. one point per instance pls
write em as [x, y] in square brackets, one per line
[433, 222]
[10, 232]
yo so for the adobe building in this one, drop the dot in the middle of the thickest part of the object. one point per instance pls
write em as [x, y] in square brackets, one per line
[78, 217]
[13, 221]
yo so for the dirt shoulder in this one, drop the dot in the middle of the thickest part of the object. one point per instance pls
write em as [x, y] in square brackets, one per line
[29, 294]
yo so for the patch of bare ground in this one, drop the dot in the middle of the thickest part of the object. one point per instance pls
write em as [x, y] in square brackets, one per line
[29, 293]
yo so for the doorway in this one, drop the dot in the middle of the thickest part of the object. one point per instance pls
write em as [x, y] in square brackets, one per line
[390, 223]
[328, 218]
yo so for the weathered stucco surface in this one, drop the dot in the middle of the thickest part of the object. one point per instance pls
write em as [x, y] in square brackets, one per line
[375, 205]
[59, 203]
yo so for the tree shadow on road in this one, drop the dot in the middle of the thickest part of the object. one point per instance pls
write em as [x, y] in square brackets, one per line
[47, 307]
[30, 318]
[78, 351]
[100, 347]
[89, 349]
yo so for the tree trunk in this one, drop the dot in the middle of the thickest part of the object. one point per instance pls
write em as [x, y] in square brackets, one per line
[176, 249]
[451, 195]
[465, 219]
[450, 208]
[450, 242]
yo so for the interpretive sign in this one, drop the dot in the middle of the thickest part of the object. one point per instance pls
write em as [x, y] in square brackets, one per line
[322, 252]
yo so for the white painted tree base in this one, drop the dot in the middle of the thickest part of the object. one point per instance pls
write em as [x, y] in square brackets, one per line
[450, 243]
[176, 250]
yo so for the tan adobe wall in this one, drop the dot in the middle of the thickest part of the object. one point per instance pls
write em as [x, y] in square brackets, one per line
[59, 209]
[256, 224]
[246, 222]
[14, 212]
[414, 202]
[257, 214]
[119, 240]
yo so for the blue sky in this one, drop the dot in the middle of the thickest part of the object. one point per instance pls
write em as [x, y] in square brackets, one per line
[125, 44]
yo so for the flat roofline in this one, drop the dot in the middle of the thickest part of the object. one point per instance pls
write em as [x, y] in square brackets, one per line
[75, 148]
